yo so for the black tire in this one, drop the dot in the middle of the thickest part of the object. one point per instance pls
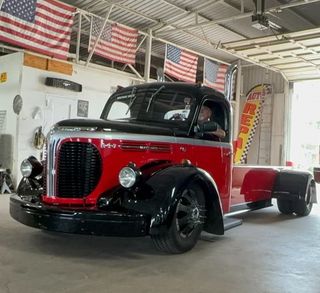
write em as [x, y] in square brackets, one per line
[303, 208]
[285, 206]
[187, 222]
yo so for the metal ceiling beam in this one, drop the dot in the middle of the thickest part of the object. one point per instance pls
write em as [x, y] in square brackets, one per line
[281, 49]
[311, 33]
[240, 16]
[125, 8]
[300, 65]
[290, 60]
[186, 13]
[265, 53]
[197, 14]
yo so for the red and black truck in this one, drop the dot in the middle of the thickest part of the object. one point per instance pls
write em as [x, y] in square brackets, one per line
[148, 167]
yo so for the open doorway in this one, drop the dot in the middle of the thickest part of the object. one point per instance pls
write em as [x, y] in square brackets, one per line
[305, 126]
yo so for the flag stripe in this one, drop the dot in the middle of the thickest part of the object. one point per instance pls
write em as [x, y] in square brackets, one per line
[112, 49]
[178, 73]
[117, 42]
[41, 30]
[26, 45]
[173, 67]
[115, 53]
[44, 28]
[30, 37]
[52, 20]
[115, 57]
[30, 44]
[116, 45]
[53, 10]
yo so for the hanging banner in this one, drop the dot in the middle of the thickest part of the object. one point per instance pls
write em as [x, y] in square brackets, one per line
[250, 119]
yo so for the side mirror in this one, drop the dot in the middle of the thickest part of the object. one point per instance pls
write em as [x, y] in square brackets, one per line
[209, 126]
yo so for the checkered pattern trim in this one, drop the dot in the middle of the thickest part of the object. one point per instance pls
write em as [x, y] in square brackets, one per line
[251, 134]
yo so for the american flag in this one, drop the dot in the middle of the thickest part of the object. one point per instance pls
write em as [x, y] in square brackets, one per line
[214, 75]
[117, 42]
[180, 64]
[43, 26]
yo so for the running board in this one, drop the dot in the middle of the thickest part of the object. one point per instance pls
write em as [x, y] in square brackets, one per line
[230, 223]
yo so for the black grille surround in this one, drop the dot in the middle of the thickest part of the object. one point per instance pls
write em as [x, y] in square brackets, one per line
[79, 169]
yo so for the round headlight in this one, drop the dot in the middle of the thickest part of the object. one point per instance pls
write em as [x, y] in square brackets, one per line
[26, 168]
[127, 177]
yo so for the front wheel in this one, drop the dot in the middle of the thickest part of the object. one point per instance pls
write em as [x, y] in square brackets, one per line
[187, 222]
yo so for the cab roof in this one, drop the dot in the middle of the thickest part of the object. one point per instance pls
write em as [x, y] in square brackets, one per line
[195, 89]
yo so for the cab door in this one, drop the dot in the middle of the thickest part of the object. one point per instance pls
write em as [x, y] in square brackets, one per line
[214, 154]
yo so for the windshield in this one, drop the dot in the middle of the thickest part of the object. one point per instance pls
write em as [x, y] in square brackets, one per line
[153, 107]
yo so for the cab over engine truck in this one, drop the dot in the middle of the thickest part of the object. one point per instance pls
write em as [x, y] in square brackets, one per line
[148, 167]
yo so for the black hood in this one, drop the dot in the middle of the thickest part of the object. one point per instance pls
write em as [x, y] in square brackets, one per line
[123, 126]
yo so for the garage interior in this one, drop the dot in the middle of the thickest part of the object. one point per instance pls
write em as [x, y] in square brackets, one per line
[274, 43]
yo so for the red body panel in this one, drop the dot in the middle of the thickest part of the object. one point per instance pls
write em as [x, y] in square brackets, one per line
[117, 153]
[252, 183]
[248, 184]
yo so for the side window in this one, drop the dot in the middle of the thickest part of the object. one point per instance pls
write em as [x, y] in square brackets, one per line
[213, 113]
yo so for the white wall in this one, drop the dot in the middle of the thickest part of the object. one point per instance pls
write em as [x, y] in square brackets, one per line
[12, 65]
[97, 86]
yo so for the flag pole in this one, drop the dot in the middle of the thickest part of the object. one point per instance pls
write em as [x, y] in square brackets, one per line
[204, 70]
[147, 59]
[79, 37]
[165, 59]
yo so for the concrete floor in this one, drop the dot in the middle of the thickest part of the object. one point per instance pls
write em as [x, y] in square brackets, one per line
[268, 253]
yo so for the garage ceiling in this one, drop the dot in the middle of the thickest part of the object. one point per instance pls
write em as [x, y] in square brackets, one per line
[296, 55]
[219, 29]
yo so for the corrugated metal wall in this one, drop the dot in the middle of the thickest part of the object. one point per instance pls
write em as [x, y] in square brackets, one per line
[258, 152]
[254, 75]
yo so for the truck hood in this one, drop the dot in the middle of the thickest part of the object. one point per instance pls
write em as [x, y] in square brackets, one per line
[123, 126]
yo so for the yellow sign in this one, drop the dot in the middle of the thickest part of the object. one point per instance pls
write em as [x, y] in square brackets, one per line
[3, 77]
[250, 119]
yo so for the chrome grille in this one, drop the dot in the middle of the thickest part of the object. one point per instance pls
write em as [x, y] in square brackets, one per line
[78, 170]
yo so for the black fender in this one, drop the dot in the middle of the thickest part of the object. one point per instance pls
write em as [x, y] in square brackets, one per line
[165, 188]
[293, 185]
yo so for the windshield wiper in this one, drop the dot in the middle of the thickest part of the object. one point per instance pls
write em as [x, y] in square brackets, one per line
[133, 98]
[153, 95]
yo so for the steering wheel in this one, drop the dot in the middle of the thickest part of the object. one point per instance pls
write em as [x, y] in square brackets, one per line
[178, 117]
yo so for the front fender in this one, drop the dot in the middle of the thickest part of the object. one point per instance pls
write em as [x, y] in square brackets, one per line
[166, 187]
[30, 187]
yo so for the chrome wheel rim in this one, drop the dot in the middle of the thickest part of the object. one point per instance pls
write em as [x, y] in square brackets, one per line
[189, 213]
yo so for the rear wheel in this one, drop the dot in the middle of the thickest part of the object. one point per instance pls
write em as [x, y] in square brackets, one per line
[187, 222]
[285, 206]
[300, 207]
[303, 208]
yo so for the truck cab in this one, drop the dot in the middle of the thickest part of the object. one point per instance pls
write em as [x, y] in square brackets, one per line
[149, 166]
